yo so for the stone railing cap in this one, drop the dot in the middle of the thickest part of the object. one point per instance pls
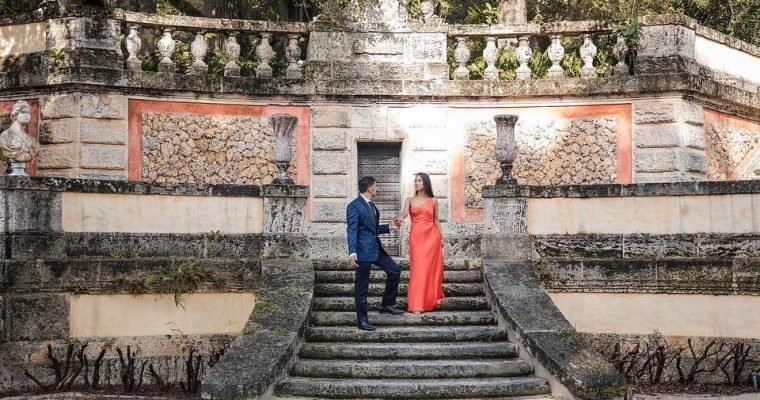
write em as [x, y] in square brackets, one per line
[627, 190]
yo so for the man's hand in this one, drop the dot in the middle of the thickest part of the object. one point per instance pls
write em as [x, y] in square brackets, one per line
[352, 261]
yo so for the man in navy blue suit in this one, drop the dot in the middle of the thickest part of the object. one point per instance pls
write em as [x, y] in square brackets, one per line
[365, 249]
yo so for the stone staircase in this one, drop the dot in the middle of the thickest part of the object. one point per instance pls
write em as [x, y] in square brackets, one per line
[457, 351]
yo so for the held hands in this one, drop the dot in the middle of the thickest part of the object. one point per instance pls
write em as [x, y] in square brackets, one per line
[396, 224]
[352, 261]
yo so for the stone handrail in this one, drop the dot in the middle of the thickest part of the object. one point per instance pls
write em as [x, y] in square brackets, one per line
[259, 31]
[498, 36]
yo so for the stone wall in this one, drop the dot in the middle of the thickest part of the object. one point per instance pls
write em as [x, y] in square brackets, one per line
[188, 148]
[726, 148]
[83, 135]
[550, 152]
[669, 141]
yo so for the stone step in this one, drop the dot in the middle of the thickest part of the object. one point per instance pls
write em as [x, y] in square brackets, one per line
[376, 289]
[448, 304]
[407, 334]
[378, 276]
[325, 318]
[343, 265]
[418, 351]
[412, 388]
[288, 397]
[411, 369]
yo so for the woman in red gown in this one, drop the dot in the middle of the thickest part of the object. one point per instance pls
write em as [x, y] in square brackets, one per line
[425, 248]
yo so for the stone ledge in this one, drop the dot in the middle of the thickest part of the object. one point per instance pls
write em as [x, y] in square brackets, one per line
[627, 190]
[258, 358]
[515, 290]
[55, 184]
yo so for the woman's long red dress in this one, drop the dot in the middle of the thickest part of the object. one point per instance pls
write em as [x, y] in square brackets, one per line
[425, 259]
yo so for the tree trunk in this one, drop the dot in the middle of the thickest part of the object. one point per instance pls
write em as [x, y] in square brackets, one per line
[512, 12]
[221, 8]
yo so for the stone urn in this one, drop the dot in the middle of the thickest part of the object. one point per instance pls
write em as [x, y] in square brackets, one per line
[284, 125]
[506, 146]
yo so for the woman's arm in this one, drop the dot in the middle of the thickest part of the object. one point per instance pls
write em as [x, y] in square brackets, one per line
[437, 222]
[405, 211]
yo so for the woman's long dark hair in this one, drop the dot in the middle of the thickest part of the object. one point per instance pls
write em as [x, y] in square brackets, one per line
[427, 187]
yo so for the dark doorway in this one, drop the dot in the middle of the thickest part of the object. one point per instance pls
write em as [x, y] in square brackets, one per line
[382, 161]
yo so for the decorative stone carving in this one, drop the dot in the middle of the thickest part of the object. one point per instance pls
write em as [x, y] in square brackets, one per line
[166, 47]
[428, 12]
[462, 55]
[199, 48]
[293, 53]
[510, 215]
[134, 44]
[264, 52]
[588, 52]
[232, 52]
[284, 125]
[506, 146]
[491, 54]
[15, 144]
[556, 53]
[524, 52]
[621, 53]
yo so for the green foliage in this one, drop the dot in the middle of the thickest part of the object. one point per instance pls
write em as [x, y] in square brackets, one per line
[483, 14]
[181, 278]
[10, 8]
[57, 57]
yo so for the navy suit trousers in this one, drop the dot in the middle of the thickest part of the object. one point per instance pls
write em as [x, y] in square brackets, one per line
[361, 284]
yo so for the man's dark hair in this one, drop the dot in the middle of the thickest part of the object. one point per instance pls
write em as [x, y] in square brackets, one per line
[365, 182]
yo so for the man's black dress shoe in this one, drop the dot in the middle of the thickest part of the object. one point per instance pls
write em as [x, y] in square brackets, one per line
[390, 310]
[367, 327]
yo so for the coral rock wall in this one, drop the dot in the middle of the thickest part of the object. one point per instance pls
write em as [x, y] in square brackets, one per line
[550, 152]
[189, 148]
[726, 148]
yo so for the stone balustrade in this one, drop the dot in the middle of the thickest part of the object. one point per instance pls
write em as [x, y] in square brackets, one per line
[555, 39]
[215, 41]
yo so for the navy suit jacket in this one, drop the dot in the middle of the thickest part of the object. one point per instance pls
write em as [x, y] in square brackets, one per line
[362, 229]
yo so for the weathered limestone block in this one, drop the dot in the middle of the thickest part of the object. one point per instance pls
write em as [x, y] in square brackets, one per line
[429, 46]
[661, 135]
[31, 211]
[38, 317]
[330, 163]
[666, 41]
[418, 117]
[59, 106]
[430, 162]
[693, 136]
[284, 214]
[656, 160]
[58, 156]
[59, 131]
[328, 211]
[111, 175]
[369, 117]
[329, 138]
[440, 185]
[691, 113]
[695, 161]
[87, 42]
[654, 112]
[331, 186]
[104, 157]
[103, 131]
[104, 106]
[331, 116]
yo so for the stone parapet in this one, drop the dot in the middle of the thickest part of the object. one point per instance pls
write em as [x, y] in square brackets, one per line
[629, 190]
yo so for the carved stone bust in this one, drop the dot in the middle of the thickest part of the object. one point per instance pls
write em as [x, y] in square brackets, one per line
[15, 144]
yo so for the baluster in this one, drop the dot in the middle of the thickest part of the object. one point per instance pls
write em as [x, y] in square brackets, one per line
[491, 54]
[199, 48]
[621, 52]
[134, 44]
[264, 52]
[293, 53]
[462, 56]
[524, 52]
[556, 53]
[588, 52]
[166, 47]
[232, 52]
